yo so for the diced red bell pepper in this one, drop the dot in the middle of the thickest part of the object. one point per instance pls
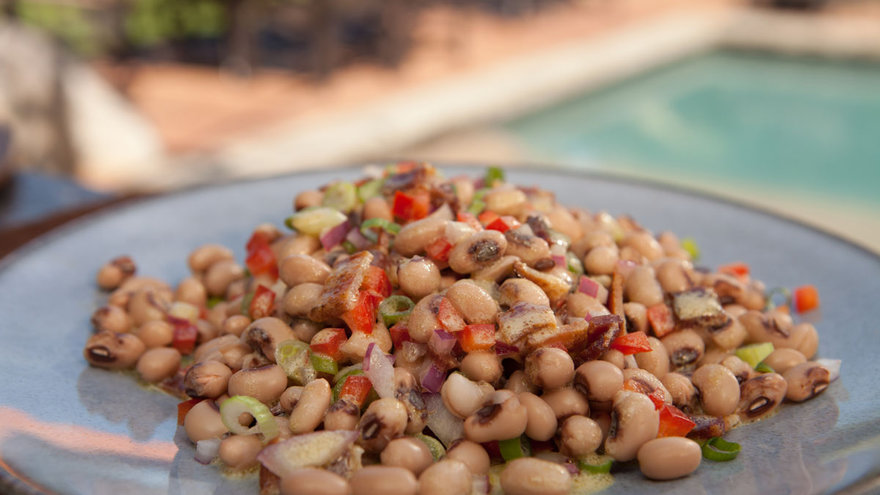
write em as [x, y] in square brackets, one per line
[376, 280]
[355, 389]
[806, 298]
[449, 317]
[439, 250]
[184, 407]
[184, 336]
[476, 337]
[260, 257]
[487, 217]
[399, 334]
[656, 395]
[263, 303]
[739, 270]
[362, 316]
[327, 341]
[413, 206]
[632, 343]
[660, 319]
[673, 422]
[469, 218]
[502, 224]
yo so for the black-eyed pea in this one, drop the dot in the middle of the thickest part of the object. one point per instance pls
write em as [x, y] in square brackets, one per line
[414, 237]
[299, 300]
[514, 290]
[418, 277]
[307, 199]
[309, 410]
[549, 368]
[472, 454]
[656, 361]
[113, 350]
[235, 325]
[155, 333]
[447, 477]
[669, 458]
[713, 355]
[805, 381]
[674, 275]
[636, 317]
[601, 260]
[203, 422]
[149, 304]
[264, 334]
[240, 451]
[502, 418]
[523, 244]
[566, 402]
[314, 481]
[685, 347]
[111, 319]
[681, 390]
[580, 436]
[298, 244]
[423, 320]
[599, 381]
[580, 305]
[113, 273]
[517, 382]
[158, 364]
[764, 327]
[643, 242]
[718, 388]
[191, 290]
[505, 201]
[342, 415]
[407, 452]
[290, 397]
[805, 339]
[531, 476]
[614, 357]
[783, 359]
[562, 220]
[461, 396]
[377, 207]
[384, 420]
[730, 335]
[641, 286]
[387, 480]
[207, 379]
[759, 396]
[741, 369]
[464, 189]
[482, 366]
[204, 256]
[634, 421]
[301, 268]
[220, 275]
[643, 381]
[474, 303]
[265, 383]
[477, 251]
[542, 422]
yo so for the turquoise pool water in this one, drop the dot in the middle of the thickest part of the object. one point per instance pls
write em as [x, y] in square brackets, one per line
[802, 126]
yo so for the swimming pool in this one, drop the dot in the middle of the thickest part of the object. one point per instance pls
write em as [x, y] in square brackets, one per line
[805, 128]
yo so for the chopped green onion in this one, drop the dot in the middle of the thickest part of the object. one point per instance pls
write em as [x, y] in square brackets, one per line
[312, 221]
[762, 367]
[232, 409]
[340, 196]
[690, 245]
[477, 207]
[324, 363]
[369, 224]
[434, 445]
[719, 450]
[494, 174]
[754, 353]
[574, 264]
[340, 381]
[773, 296]
[370, 189]
[213, 301]
[514, 448]
[293, 357]
[246, 303]
[395, 308]
[602, 467]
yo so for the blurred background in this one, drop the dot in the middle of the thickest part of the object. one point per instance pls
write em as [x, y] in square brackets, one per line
[775, 103]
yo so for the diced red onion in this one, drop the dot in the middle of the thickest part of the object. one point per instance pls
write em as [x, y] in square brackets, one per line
[441, 342]
[588, 286]
[480, 484]
[206, 450]
[307, 450]
[412, 351]
[625, 267]
[334, 235]
[559, 260]
[833, 367]
[503, 349]
[368, 355]
[588, 317]
[445, 426]
[571, 468]
[432, 378]
[380, 370]
[357, 239]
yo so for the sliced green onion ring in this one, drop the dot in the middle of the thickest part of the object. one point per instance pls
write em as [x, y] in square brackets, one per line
[494, 174]
[434, 445]
[603, 467]
[232, 409]
[395, 308]
[293, 357]
[513, 448]
[312, 221]
[690, 245]
[324, 363]
[762, 367]
[720, 450]
[369, 233]
[370, 189]
[341, 196]
[477, 207]
[773, 296]
[754, 353]
[349, 247]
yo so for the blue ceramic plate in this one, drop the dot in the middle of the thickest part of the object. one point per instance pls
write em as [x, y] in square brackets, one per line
[68, 428]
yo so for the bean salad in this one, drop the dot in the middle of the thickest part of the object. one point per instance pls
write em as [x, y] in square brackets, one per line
[409, 333]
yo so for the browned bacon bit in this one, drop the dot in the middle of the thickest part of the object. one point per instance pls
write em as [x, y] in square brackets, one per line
[341, 288]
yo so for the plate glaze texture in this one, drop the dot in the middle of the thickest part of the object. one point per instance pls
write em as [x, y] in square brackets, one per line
[68, 428]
